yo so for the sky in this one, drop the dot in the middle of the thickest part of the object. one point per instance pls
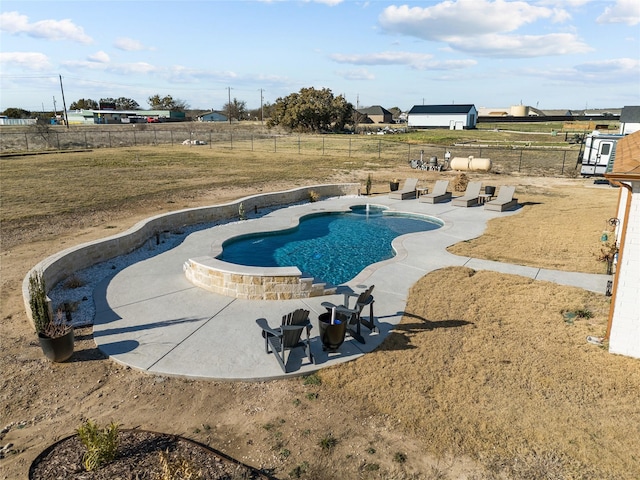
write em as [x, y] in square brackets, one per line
[549, 54]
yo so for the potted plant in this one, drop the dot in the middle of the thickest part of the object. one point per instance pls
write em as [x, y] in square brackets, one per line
[394, 184]
[54, 334]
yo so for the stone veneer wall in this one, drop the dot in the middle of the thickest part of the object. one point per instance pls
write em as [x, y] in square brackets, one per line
[62, 264]
[250, 283]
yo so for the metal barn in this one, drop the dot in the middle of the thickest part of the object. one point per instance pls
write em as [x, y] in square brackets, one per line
[453, 117]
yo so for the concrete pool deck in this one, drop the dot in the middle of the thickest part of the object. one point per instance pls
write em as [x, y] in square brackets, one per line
[151, 318]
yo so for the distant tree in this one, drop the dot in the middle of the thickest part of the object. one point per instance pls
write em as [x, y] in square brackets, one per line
[395, 112]
[261, 113]
[156, 102]
[123, 103]
[84, 104]
[311, 110]
[236, 109]
[17, 113]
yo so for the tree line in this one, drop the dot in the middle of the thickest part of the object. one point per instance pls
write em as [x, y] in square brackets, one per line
[309, 110]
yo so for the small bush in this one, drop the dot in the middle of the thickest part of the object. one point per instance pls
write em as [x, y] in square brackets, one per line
[101, 444]
[313, 196]
[460, 183]
[399, 457]
[371, 467]
[176, 469]
[584, 313]
[328, 442]
[312, 379]
[73, 282]
[299, 470]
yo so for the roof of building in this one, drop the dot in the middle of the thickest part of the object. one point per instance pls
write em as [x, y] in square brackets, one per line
[444, 109]
[630, 114]
[374, 110]
[627, 163]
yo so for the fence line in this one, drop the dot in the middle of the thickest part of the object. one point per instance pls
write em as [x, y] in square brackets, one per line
[526, 160]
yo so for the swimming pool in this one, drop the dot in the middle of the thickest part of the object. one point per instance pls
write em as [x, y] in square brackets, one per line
[331, 247]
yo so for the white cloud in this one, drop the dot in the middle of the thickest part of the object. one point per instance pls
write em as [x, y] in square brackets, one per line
[418, 61]
[483, 27]
[615, 66]
[610, 72]
[118, 68]
[358, 74]
[462, 17]
[26, 60]
[566, 3]
[521, 46]
[624, 11]
[15, 23]
[100, 57]
[130, 45]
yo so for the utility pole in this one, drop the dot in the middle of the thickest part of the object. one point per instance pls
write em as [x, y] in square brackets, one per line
[261, 109]
[229, 109]
[64, 104]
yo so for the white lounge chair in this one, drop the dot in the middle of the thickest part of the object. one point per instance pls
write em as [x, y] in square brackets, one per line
[408, 190]
[470, 197]
[439, 193]
[504, 200]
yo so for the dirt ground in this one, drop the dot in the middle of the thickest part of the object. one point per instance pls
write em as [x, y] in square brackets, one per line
[475, 383]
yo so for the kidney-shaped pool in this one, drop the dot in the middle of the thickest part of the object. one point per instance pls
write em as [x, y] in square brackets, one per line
[331, 247]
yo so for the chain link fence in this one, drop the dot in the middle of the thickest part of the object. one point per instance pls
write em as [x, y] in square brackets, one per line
[529, 160]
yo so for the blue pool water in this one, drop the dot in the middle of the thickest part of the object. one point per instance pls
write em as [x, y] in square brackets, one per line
[332, 247]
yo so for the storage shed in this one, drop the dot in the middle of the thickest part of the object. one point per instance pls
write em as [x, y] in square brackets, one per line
[213, 116]
[623, 330]
[453, 117]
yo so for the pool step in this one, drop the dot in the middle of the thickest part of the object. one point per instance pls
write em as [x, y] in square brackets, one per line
[318, 289]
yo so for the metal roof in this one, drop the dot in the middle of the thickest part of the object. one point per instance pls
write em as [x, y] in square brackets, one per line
[630, 114]
[627, 163]
[443, 109]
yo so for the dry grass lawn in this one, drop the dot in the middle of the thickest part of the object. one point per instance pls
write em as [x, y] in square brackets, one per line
[483, 378]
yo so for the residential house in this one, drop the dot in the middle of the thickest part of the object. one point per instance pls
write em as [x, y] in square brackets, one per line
[454, 117]
[377, 114]
[623, 330]
[212, 116]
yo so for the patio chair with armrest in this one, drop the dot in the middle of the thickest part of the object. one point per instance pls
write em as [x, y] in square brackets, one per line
[355, 318]
[287, 336]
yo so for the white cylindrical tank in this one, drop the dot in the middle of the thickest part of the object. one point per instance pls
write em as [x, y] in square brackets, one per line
[519, 110]
[470, 163]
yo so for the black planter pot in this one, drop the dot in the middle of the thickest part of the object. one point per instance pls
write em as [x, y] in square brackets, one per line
[332, 335]
[57, 349]
[394, 186]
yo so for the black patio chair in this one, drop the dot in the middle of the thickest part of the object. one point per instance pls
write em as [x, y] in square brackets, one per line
[287, 336]
[354, 314]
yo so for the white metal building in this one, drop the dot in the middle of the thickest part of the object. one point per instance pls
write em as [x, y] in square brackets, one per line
[453, 117]
[623, 330]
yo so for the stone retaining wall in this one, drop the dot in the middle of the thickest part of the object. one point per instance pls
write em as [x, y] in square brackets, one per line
[62, 264]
